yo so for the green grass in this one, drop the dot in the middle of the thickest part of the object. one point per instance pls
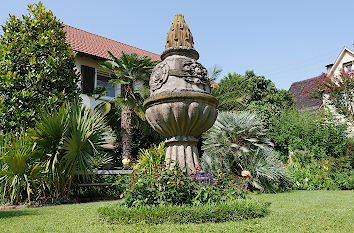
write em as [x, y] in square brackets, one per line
[299, 211]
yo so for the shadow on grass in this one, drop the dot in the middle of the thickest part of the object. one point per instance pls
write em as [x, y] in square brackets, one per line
[16, 213]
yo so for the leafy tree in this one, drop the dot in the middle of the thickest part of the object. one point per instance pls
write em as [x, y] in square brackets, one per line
[128, 70]
[36, 68]
[237, 92]
[254, 93]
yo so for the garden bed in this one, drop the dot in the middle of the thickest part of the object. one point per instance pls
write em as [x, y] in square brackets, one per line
[217, 212]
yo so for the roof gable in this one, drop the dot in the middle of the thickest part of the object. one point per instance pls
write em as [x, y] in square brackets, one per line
[299, 90]
[339, 58]
[94, 45]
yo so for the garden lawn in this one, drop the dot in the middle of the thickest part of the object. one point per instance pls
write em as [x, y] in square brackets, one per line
[297, 211]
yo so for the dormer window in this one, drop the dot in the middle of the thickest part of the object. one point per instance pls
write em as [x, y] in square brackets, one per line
[348, 67]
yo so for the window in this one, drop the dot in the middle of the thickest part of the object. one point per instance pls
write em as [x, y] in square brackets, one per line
[348, 67]
[103, 80]
[91, 78]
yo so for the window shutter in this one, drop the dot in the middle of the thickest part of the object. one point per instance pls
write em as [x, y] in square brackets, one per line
[87, 79]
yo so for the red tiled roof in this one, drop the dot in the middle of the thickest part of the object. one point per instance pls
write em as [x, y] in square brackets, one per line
[89, 43]
[299, 92]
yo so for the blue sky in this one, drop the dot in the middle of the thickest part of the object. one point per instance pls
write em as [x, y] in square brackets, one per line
[286, 41]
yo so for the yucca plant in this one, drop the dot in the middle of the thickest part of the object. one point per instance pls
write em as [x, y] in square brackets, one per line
[267, 171]
[68, 141]
[19, 174]
[151, 158]
[236, 143]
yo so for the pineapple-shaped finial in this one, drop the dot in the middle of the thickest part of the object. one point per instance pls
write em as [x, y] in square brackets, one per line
[179, 34]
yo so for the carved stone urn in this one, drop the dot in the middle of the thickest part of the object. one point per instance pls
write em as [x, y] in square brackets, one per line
[180, 106]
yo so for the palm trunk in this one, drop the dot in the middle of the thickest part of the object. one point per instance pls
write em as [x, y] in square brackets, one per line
[126, 132]
[126, 124]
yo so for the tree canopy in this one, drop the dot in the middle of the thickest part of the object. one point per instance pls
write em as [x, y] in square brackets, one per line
[36, 68]
[237, 92]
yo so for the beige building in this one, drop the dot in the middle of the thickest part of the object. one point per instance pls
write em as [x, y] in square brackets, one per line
[345, 61]
[92, 49]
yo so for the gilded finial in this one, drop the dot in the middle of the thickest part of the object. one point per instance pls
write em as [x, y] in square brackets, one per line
[179, 34]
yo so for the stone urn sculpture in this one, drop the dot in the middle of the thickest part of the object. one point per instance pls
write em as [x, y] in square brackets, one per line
[180, 106]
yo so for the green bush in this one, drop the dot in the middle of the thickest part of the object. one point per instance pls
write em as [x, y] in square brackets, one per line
[67, 141]
[153, 157]
[237, 142]
[19, 172]
[36, 68]
[317, 132]
[174, 187]
[217, 212]
[162, 186]
[45, 161]
[311, 174]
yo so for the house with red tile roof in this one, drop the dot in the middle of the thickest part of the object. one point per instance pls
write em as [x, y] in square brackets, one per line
[92, 49]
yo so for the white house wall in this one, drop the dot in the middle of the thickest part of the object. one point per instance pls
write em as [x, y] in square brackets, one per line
[87, 100]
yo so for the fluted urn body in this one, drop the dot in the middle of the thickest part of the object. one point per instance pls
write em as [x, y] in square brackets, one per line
[180, 106]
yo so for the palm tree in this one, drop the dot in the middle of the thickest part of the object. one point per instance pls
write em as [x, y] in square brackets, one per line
[238, 142]
[127, 70]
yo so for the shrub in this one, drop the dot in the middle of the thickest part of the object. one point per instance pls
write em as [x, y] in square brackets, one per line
[237, 142]
[69, 140]
[317, 132]
[19, 173]
[174, 187]
[216, 212]
[162, 186]
[311, 174]
[36, 68]
[153, 157]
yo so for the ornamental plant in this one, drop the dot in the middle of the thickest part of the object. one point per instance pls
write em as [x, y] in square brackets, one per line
[238, 142]
[36, 68]
[338, 91]
[174, 187]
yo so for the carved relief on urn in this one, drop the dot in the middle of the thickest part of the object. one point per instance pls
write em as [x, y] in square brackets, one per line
[180, 106]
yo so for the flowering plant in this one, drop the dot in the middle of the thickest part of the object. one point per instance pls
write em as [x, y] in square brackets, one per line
[337, 91]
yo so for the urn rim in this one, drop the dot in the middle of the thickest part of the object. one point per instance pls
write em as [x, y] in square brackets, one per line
[182, 96]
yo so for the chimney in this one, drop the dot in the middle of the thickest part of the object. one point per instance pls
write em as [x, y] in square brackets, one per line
[329, 67]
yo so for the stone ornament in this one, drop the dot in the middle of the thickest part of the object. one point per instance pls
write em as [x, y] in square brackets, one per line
[159, 76]
[179, 34]
[180, 105]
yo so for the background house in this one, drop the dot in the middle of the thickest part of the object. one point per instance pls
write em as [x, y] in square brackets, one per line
[91, 50]
[299, 89]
